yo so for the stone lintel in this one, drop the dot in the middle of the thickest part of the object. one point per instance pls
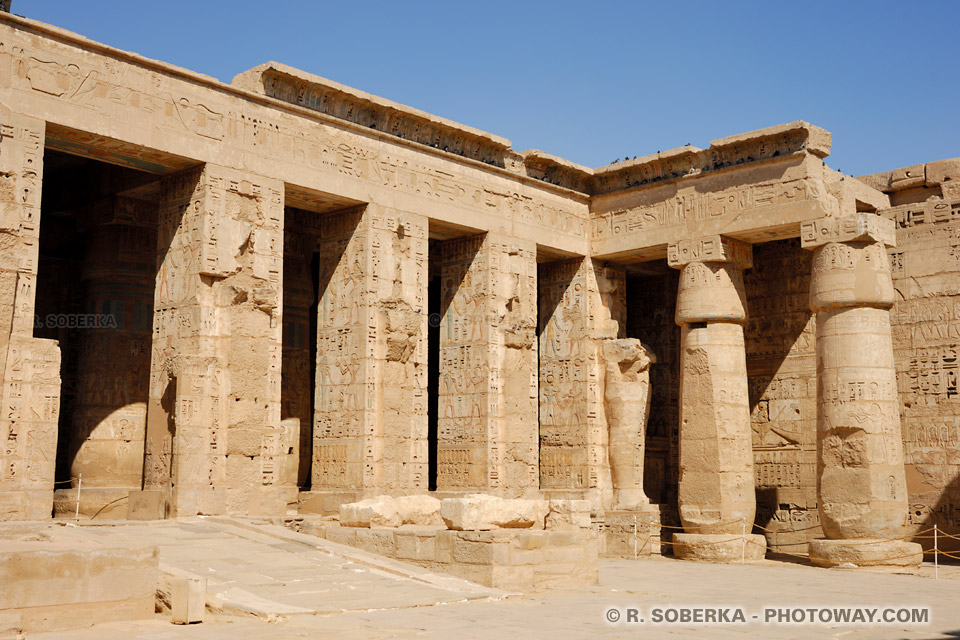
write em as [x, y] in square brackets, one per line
[715, 248]
[860, 227]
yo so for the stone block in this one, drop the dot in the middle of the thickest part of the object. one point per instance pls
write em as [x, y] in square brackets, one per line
[146, 505]
[188, 599]
[57, 587]
[419, 510]
[865, 553]
[484, 512]
[416, 546]
[859, 227]
[324, 502]
[721, 548]
[381, 511]
[381, 541]
[568, 514]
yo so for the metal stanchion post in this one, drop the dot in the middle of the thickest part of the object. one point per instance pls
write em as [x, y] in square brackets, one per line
[76, 516]
[936, 558]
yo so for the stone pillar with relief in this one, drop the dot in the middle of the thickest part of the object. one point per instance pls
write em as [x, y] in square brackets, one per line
[717, 503]
[861, 487]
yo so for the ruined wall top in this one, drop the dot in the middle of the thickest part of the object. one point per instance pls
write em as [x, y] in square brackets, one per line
[304, 89]
[733, 151]
[931, 174]
[285, 83]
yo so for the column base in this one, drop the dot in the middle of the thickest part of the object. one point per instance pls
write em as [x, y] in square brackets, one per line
[865, 552]
[104, 503]
[719, 547]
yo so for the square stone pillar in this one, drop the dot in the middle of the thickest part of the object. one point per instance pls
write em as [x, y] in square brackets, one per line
[861, 484]
[30, 367]
[214, 440]
[581, 304]
[370, 422]
[487, 422]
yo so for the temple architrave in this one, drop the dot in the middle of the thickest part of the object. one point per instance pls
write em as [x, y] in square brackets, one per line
[282, 294]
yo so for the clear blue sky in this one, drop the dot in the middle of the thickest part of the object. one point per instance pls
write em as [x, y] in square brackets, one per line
[591, 82]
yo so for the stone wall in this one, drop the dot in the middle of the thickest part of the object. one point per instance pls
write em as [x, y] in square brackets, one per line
[30, 366]
[926, 333]
[782, 375]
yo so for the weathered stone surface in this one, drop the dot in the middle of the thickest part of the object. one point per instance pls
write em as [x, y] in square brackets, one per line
[419, 510]
[381, 511]
[865, 552]
[726, 548]
[318, 289]
[386, 511]
[568, 515]
[626, 394]
[861, 490]
[55, 586]
[481, 512]
[513, 559]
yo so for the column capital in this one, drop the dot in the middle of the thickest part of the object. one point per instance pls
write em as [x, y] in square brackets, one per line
[715, 248]
[859, 227]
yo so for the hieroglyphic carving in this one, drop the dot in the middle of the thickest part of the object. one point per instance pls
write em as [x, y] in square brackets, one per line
[691, 205]
[580, 302]
[109, 410]
[125, 92]
[21, 170]
[781, 368]
[28, 428]
[467, 371]
[218, 292]
[487, 386]
[370, 407]
[926, 340]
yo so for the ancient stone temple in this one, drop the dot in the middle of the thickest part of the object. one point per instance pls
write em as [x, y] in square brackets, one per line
[281, 295]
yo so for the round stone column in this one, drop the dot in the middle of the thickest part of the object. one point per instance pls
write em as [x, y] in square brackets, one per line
[716, 496]
[106, 441]
[861, 489]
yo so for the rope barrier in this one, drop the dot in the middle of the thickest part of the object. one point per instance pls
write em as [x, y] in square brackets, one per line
[745, 538]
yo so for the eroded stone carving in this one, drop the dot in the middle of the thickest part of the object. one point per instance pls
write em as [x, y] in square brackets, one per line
[862, 487]
[626, 394]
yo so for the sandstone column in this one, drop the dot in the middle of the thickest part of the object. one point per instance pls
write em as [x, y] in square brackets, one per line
[110, 410]
[370, 419]
[861, 488]
[716, 492]
[487, 422]
[30, 367]
[215, 443]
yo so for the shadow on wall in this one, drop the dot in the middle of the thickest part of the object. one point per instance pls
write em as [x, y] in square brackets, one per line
[945, 515]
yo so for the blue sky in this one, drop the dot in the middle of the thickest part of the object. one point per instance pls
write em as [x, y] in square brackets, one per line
[591, 82]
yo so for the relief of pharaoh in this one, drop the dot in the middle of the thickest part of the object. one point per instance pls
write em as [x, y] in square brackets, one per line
[626, 395]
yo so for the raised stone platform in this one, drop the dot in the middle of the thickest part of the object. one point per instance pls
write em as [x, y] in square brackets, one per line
[719, 547]
[865, 553]
[49, 586]
[512, 559]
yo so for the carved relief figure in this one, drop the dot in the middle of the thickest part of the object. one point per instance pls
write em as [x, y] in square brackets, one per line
[626, 395]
